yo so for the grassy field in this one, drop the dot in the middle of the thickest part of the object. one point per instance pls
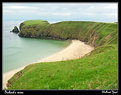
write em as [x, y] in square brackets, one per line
[98, 70]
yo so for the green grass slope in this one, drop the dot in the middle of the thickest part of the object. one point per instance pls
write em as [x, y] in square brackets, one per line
[94, 33]
[98, 70]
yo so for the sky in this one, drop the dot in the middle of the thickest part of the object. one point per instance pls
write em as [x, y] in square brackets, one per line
[99, 12]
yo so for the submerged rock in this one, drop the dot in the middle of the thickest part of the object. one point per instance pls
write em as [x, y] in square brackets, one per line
[15, 30]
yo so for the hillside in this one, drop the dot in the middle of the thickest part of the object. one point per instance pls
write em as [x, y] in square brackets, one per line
[97, 70]
[93, 33]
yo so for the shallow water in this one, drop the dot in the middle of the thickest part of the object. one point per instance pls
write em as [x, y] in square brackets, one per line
[18, 52]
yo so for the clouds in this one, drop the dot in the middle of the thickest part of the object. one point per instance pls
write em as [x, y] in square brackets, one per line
[18, 7]
[62, 11]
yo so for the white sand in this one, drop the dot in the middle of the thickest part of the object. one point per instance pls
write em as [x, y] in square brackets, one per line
[75, 50]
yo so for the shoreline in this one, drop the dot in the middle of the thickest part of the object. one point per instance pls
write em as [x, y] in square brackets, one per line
[75, 50]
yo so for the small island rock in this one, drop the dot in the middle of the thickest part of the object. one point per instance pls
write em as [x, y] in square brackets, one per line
[15, 30]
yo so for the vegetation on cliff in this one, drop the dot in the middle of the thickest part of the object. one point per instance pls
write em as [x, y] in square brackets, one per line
[97, 70]
[93, 33]
[34, 28]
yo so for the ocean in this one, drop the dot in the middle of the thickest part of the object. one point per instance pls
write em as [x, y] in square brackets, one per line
[18, 51]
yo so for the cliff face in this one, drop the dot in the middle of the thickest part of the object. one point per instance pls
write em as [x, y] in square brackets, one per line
[35, 30]
[20, 26]
[92, 33]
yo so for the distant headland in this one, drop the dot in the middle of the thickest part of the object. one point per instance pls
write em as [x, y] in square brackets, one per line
[92, 33]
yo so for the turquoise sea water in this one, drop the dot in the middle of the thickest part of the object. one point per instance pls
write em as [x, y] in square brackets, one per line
[18, 52]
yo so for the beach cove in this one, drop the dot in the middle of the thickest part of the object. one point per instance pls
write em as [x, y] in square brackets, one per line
[75, 50]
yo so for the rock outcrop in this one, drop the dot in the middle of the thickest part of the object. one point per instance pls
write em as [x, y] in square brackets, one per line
[15, 30]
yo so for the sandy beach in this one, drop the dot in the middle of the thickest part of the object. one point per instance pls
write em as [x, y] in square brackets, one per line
[75, 50]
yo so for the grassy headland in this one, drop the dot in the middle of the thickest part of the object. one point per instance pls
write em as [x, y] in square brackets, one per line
[98, 70]
[94, 33]
[34, 28]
